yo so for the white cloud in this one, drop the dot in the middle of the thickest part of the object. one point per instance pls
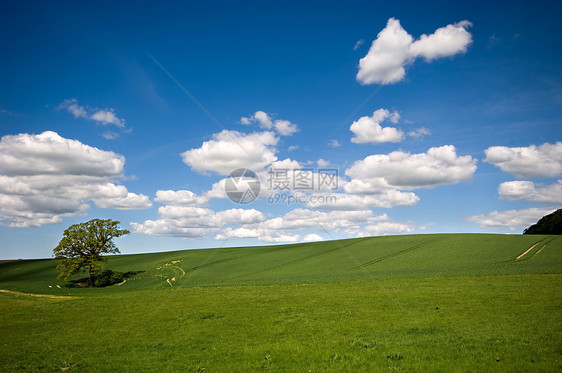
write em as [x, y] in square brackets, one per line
[312, 237]
[263, 119]
[299, 219]
[106, 117]
[241, 232]
[358, 43]
[282, 126]
[440, 165]
[285, 128]
[341, 201]
[292, 147]
[230, 150]
[523, 190]
[195, 222]
[385, 226]
[101, 116]
[322, 163]
[334, 144]
[180, 198]
[368, 129]
[218, 190]
[511, 219]
[180, 219]
[394, 48]
[527, 162]
[49, 153]
[110, 135]
[444, 42]
[277, 237]
[122, 200]
[245, 121]
[241, 216]
[419, 133]
[384, 63]
[46, 177]
[72, 106]
[345, 222]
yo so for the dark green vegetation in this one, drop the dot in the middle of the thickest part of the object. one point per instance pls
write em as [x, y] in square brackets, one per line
[82, 248]
[405, 303]
[549, 224]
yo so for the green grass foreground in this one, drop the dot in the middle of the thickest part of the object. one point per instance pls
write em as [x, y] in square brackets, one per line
[404, 303]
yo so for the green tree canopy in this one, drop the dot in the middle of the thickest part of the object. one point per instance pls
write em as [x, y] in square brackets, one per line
[83, 245]
[549, 224]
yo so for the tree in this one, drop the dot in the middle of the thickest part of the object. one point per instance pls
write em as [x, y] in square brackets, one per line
[83, 245]
[549, 224]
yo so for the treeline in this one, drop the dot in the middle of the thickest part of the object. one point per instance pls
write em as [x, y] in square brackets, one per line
[549, 224]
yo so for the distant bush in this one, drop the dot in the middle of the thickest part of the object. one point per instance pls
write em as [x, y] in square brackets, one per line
[549, 224]
[108, 278]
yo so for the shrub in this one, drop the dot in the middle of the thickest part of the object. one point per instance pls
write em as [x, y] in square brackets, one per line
[108, 278]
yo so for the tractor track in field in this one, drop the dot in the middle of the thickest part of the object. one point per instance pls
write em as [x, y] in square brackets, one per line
[38, 295]
[392, 255]
[544, 242]
[525, 253]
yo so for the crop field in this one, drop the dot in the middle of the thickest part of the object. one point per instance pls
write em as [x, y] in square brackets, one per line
[455, 302]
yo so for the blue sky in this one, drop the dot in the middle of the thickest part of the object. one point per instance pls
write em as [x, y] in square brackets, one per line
[438, 118]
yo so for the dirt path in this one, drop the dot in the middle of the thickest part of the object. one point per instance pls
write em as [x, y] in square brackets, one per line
[38, 295]
[531, 248]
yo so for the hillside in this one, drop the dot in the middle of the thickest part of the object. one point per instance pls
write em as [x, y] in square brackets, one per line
[488, 303]
[389, 257]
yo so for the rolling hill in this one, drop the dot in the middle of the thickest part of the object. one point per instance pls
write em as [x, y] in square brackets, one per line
[411, 256]
[453, 302]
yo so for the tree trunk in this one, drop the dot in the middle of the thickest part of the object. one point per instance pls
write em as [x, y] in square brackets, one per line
[91, 275]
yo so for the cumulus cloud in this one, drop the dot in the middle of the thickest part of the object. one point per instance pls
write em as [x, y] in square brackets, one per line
[527, 162]
[180, 197]
[285, 128]
[384, 226]
[322, 163]
[389, 52]
[369, 130]
[46, 177]
[511, 219]
[440, 165]
[383, 199]
[444, 42]
[312, 237]
[394, 49]
[362, 222]
[106, 117]
[194, 222]
[284, 228]
[181, 216]
[523, 190]
[282, 126]
[230, 150]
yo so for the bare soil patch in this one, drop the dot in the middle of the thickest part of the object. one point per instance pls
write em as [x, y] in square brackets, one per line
[38, 295]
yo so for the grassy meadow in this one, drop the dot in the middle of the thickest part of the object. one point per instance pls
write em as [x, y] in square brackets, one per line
[399, 303]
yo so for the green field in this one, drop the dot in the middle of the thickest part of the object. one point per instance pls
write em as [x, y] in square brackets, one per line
[404, 303]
